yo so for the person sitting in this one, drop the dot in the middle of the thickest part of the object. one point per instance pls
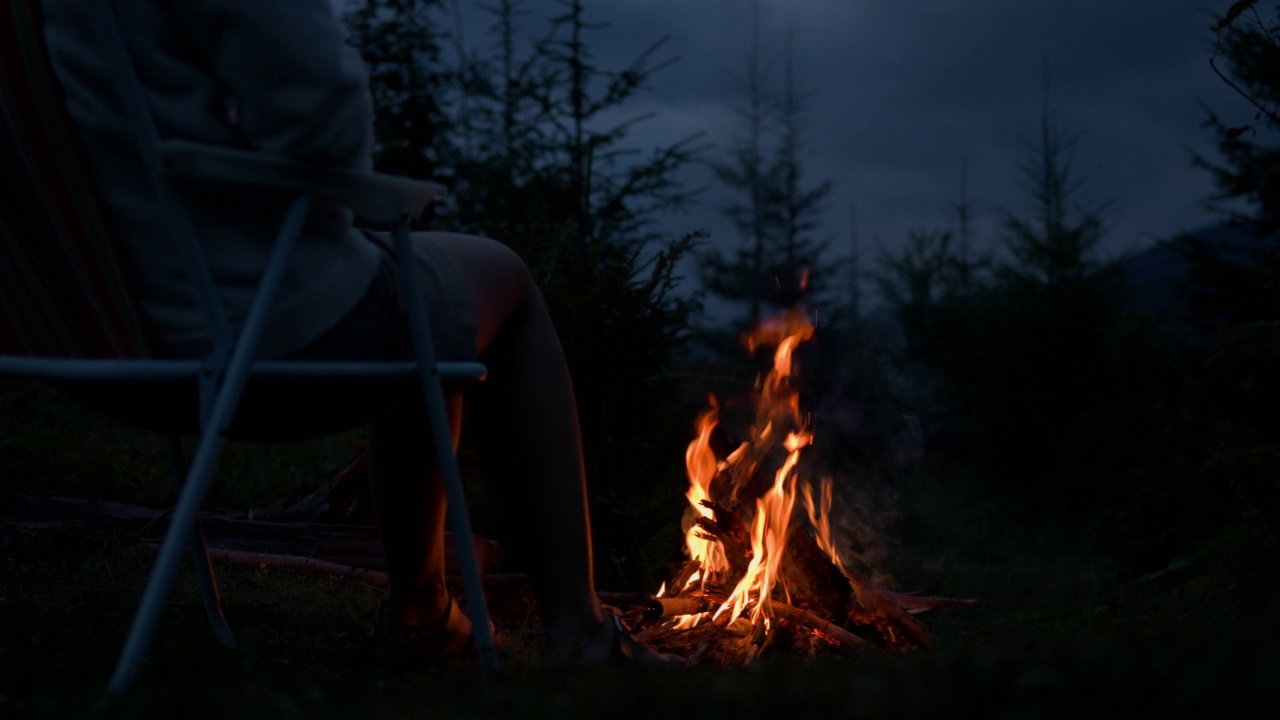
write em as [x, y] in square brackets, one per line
[277, 76]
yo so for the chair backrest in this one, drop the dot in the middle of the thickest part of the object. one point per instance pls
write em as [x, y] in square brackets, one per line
[62, 293]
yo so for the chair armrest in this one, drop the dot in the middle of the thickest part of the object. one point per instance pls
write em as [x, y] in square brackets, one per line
[375, 196]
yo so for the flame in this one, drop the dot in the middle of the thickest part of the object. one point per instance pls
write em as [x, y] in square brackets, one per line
[702, 467]
[820, 519]
[778, 413]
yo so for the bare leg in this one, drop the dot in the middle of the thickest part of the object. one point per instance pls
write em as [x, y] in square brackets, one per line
[527, 423]
[408, 496]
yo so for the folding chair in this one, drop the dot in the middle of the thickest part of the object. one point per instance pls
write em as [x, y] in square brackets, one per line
[66, 316]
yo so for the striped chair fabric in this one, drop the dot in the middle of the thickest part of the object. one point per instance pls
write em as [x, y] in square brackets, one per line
[62, 293]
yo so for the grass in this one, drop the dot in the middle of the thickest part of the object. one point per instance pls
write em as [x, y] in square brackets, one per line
[1061, 631]
[305, 651]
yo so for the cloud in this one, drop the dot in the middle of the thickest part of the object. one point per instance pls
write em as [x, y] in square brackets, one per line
[901, 92]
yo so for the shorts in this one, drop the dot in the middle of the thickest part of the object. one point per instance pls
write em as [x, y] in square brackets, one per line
[377, 328]
[294, 408]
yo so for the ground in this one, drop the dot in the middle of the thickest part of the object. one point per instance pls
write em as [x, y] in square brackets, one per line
[1059, 633]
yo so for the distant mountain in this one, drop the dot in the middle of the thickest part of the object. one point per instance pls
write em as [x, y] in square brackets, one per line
[1158, 276]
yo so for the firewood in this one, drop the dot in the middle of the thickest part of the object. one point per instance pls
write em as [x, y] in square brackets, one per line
[812, 579]
[827, 629]
[726, 527]
[877, 611]
[682, 577]
[661, 607]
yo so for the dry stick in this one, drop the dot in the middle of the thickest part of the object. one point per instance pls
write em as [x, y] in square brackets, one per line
[313, 566]
[662, 607]
[917, 604]
[827, 628]
[294, 563]
[624, 600]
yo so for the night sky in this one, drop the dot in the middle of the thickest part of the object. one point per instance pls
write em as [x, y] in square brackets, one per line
[903, 92]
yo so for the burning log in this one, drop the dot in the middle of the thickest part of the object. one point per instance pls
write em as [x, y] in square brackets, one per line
[825, 628]
[874, 610]
[812, 579]
[660, 607]
[793, 631]
[822, 595]
[685, 575]
[725, 527]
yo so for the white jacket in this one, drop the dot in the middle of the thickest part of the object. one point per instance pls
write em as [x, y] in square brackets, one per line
[274, 75]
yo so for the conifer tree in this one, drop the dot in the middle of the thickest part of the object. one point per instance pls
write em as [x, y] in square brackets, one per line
[797, 269]
[1235, 295]
[739, 275]
[400, 42]
[1055, 243]
[779, 260]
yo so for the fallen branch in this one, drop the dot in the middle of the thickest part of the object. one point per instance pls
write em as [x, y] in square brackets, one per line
[292, 563]
[826, 628]
[26, 518]
[917, 604]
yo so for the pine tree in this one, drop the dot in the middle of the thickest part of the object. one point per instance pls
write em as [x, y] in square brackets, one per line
[740, 276]
[1056, 242]
[778, 262]
[400, 42]
[1246, 57]
[797, 270]
[1019, 350]
[1236, 296]
[967, 263]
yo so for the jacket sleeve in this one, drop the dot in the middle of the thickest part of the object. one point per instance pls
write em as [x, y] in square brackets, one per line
[302, 91]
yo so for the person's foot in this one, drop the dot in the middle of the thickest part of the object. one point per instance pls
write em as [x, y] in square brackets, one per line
[611, 643]
[446, 638]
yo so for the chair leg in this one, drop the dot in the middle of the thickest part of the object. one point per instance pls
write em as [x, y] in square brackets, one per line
[459, 520]
[213, 438]
[176, 539]
[199, 548]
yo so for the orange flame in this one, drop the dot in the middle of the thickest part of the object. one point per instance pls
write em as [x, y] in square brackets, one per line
[702, 467]
[820, 519]
[777, 413]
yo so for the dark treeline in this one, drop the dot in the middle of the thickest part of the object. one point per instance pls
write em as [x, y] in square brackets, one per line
[1150, 428]
[1025, 373]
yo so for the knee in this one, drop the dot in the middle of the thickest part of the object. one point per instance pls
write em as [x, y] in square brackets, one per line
[501, 287]
[508, 265]
[487, 266]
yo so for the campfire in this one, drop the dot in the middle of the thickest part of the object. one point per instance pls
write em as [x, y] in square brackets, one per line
[764, 575]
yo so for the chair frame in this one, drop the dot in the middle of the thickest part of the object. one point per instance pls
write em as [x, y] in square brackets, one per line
[222, 374]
